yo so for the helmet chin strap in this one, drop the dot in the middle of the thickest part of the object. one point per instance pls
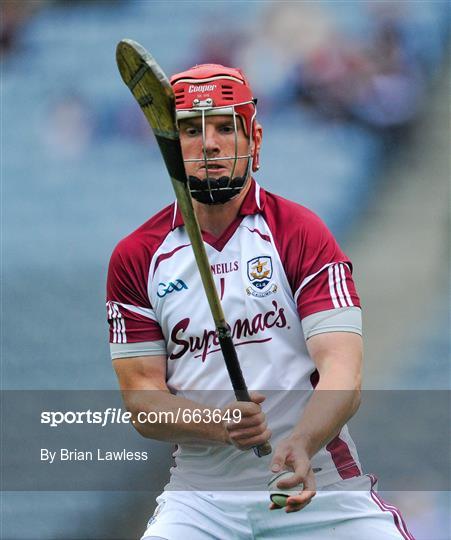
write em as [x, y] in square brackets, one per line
[220, 190]
[217, 191]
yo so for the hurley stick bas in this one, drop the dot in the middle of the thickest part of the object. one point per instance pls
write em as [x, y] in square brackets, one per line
[153, 91]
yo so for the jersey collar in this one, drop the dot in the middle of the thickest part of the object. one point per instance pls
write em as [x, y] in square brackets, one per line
[253, 203]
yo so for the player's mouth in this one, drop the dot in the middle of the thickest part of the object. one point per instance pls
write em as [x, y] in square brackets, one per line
[214, 169]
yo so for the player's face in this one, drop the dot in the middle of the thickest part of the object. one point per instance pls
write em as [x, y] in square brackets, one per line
[219, 142]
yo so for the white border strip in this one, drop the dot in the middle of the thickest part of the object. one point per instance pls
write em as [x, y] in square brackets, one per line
[345, 286]
[337, 284]
[257, 195]
[397, 517]
[308, 279]
[174, 216]
[146, 312]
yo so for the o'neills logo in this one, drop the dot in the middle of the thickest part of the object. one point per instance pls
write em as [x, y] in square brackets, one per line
[224, 268]
[201, 88]
[208, 342]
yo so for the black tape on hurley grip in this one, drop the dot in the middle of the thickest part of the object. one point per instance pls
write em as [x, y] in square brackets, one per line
[233, 366]
[172, 155]
[237, 379]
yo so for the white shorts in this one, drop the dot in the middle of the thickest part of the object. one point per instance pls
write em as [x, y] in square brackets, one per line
[348, 510]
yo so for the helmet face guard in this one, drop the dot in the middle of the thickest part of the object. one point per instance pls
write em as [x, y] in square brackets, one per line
[211, 90]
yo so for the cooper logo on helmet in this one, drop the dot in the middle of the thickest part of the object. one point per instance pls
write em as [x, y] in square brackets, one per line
[201, 88]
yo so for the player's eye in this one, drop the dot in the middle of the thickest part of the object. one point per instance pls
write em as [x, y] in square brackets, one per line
[227, 128]
[192, 131]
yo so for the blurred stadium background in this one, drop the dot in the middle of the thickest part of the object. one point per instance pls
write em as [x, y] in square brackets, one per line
[354, 100]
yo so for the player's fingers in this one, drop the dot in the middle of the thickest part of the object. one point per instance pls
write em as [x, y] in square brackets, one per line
[247, 422]
[302, 476]
[246, 408]
[295, 507]
[245, 433]
[256, 397]
[294, 503]
[250, 442]
[296, 479]
[297, 502]
[310, 482]
[302, 497]
[278, 460]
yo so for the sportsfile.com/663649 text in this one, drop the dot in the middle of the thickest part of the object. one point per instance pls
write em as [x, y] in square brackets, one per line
[112, 415]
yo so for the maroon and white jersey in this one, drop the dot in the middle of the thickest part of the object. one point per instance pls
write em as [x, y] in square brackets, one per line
[278, 271]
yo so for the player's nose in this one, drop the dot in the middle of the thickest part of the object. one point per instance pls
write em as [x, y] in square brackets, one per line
[211, 141]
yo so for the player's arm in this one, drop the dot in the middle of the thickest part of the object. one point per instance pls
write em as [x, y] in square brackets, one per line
[329, 309]
[143, 385]
[338, 358]
[336, 398]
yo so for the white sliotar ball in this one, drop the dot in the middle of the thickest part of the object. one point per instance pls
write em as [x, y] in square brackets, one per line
[279, 496]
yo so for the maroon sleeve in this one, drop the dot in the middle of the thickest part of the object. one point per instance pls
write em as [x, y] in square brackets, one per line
[319, 273]
[130, 314]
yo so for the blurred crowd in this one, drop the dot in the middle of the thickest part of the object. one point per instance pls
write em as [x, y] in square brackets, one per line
[14, 15]
[297, 55]
[300, 56]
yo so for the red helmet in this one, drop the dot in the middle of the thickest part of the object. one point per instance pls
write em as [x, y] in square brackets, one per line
[215, 89]
[224, 86]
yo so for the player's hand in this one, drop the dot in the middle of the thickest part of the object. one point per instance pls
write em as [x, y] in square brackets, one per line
[291, 455]
[252, 429]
